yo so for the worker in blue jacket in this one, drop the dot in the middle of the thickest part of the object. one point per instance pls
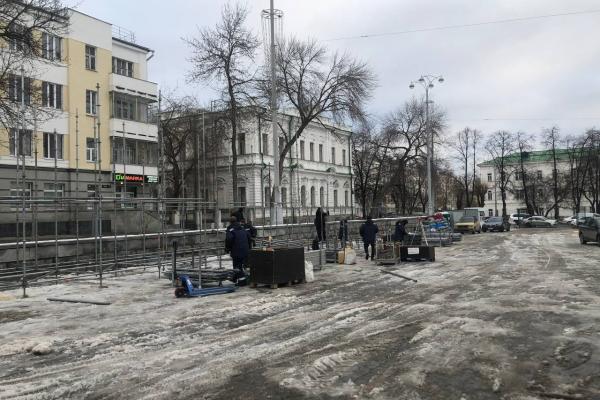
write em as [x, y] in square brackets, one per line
[237, 243]
[368, 232]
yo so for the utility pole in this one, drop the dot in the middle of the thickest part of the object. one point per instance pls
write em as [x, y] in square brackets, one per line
[276, 211]
[427, 82]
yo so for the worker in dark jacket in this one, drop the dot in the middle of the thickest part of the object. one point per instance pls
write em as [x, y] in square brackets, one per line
[252, 232]
[400, 231]
[368, 232]
[232, 221]
[343, 232]
[238, 214]
[320, 224]
[237, 242]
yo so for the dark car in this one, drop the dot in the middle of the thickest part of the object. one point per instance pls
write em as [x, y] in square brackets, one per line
[589, 230]
[495, 224]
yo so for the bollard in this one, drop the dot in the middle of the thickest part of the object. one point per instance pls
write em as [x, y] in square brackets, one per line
[174, 269]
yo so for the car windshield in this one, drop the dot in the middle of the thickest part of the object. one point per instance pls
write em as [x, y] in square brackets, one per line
[467, 219]
[494, 219]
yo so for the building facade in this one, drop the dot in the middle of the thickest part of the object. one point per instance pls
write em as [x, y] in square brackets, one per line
[94, 138]
[317, 169]
[539, 166]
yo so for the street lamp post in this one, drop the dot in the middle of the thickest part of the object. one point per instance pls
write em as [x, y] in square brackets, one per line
[427, 82]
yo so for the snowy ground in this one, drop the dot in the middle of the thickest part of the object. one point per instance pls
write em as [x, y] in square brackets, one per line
[499, 316]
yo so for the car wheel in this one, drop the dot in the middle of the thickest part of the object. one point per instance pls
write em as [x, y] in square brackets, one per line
[473, 231]
[598, 240]
[581, 239]
[502, 229]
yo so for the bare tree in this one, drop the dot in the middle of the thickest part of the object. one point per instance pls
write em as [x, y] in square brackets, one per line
[499, 145]
[462, 147]
[25, 26]
[316, 86]
[551, 140]
[523, 144]
[226, 54]
[578, 170]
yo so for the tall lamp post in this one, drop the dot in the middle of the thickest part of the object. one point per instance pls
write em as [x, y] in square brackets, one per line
[427, 82]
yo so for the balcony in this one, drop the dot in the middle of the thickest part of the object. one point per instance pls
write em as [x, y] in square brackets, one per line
[134, 87]
[133, 129]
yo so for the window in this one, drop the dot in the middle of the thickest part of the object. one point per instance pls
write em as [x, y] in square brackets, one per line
[242, 143]
[281, 145]
[335, 197]
[333, 155]
[302, 149]
[52, 95]
[16, 86]
[490, 177]
[91, 150]
[123, 107]
[320, 153]
[53, 146]
[54, 191]
[51, 47]
[322, 196]
[303, 196]
[313, 196]
[518, 176]
[267, 197]
[346, 198]
[540, 194]
[311, 151]
[489, 195]
[539, 174]
[91, 102]
[520, 194]
[283, 196]
[490, 212]
[265, 144]
[344, 157]
[122, 67]
[242, 196]
[90, 57]
[21, 140]
[21, 190]
[18, 37]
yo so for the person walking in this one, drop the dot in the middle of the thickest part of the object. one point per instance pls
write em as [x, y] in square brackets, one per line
[237, 243]
[343, 232]
[320, 224]
[368, 232]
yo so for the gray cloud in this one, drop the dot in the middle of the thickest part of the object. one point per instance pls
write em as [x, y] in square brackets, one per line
[523, 75]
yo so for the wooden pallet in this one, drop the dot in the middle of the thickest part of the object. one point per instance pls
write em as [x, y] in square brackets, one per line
[255, 285]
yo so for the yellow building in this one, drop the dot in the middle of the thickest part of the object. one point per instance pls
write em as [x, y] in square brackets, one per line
[88, 128]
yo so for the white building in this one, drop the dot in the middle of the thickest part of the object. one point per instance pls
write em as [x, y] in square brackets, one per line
[538, 163]
[317, 170]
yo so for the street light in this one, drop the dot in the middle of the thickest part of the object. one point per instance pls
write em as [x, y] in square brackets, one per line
[427, 82]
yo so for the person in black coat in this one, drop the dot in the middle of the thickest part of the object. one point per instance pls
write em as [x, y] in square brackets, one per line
[368, 232]
[400, 231]
[252, 232]
[320, 224]
[237, 243]
[343, 232]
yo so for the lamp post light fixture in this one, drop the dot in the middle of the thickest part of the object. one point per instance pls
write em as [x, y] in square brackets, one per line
[427, 81]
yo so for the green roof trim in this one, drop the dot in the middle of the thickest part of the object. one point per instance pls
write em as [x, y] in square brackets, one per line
[538, 156]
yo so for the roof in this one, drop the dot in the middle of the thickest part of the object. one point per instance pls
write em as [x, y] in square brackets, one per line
[539, 156]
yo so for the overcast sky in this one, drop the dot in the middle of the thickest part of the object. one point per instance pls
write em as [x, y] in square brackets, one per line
[515, 76]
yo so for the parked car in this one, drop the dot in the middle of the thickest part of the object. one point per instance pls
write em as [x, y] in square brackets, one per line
[538, 222]
[518, 218]
[589, 230]
[468, 224]
[495, 224]
[570, 220]
[581, 218]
